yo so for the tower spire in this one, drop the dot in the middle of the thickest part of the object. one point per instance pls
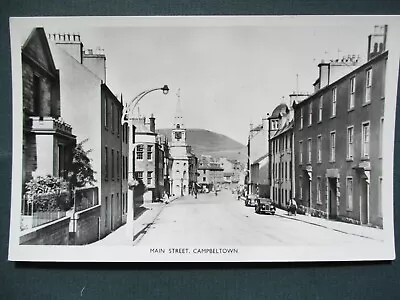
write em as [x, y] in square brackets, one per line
[178, 118]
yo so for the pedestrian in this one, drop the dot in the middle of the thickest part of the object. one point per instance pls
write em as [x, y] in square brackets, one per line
[166, 198]
[292, 207]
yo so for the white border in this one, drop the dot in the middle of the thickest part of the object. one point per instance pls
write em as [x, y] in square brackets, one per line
[384, 251]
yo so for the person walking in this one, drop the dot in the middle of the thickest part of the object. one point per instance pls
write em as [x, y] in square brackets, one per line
[292, 207]
[194, 190]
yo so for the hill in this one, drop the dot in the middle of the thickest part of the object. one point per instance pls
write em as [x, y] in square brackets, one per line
[205, 142]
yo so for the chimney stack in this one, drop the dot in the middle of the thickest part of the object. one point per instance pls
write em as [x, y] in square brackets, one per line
[377, 41]
[152, 123]
[95, 61]
[71, 43]
[324, 72]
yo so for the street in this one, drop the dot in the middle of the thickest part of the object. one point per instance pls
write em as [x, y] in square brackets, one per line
[224, 221]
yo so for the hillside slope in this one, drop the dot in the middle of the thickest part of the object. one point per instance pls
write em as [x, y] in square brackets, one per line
[205, 142]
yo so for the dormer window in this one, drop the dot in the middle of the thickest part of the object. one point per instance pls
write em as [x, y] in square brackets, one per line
[178, 126]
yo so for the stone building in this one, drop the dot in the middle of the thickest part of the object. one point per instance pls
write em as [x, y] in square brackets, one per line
[48, 141]
[338, 138]
[281, 151]
[149, 158]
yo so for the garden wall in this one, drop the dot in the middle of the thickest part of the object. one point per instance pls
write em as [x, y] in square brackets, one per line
[53, 233]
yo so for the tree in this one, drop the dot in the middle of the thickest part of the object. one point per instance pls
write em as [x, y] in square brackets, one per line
[82, 172]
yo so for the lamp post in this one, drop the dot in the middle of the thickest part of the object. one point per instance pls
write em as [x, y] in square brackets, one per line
[128, 119]
[182, 186]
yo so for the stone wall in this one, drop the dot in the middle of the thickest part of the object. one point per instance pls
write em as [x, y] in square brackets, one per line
[50, 106]
[54, 233]
[86, 225]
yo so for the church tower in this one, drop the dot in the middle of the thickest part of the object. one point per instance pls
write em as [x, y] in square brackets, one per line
[178, 131]
[179, 154]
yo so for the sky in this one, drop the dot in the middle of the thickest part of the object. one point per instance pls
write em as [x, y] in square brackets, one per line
[230, 73]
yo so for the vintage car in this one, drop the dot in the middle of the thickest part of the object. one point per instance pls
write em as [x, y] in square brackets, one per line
[265, 206]
[251, 200]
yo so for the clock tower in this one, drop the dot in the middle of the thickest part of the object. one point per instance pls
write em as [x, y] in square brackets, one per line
[179, 154]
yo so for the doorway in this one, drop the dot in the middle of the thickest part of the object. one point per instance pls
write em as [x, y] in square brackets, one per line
[364, 199]
[111, 212]
[332, 182]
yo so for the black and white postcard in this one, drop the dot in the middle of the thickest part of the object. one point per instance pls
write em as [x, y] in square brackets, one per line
[222, 139]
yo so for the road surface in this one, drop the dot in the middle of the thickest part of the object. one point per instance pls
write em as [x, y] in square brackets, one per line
[224, 221]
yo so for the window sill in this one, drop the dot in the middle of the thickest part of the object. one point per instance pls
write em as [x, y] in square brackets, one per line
[364, 158]
[366, 103]
[332, 161]
[319, 162]
[332, 117]
[383, 98]
[349, 159]
[319, 122]
[351, 109]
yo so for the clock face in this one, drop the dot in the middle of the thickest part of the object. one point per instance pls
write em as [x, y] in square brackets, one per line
[178, 135]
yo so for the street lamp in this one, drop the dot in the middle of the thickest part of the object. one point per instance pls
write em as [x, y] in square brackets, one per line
[182, 186]
[125, 118]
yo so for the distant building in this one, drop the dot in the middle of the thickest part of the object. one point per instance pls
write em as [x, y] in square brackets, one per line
[210, 173]
[257, 146]
[338, 138]
[193, 166]
[232, 169]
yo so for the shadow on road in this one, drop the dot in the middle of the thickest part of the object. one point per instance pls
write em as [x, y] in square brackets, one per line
[140, 211]
[142, 232]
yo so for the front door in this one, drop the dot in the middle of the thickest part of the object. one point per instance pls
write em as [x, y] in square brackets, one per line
[111, 212]
[364, 194]
[332, 198]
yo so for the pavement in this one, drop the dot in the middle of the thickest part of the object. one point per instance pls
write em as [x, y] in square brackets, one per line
[356, 230]
[143, 220]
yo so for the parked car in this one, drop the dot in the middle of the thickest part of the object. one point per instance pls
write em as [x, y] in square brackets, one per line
[265, 206]
[251, 200]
